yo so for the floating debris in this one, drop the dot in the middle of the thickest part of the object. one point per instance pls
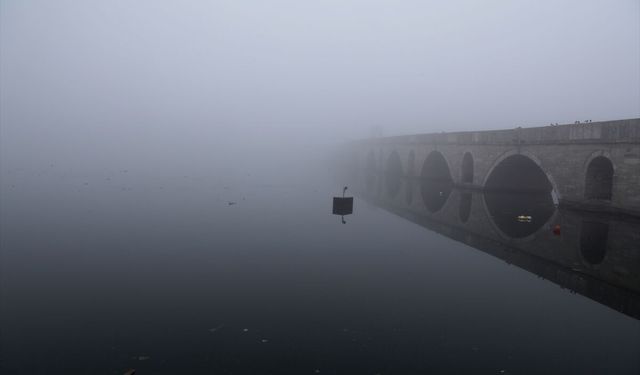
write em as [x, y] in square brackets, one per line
[212, 330]
[264, 341]
[245, 330]
[524, 218]
[232, 203]
[130, 372]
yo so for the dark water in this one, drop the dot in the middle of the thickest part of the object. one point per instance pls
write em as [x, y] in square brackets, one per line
[105, 274]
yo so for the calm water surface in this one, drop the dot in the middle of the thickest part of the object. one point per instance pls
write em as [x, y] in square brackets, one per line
[105, 273]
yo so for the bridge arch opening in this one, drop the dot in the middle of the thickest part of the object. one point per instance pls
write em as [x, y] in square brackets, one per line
[599, 179]
[518, 173]
[354, 167]
[593, 241]
[411, 161]
[435, 181]
[393, 174]
[370, 171]
[518, 196]
[379, 174]
[467, 168]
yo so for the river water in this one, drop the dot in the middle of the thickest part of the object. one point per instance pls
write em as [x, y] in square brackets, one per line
[111, 271]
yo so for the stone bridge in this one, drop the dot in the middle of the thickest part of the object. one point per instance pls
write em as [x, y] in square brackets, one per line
[560, 201]
[590, 165]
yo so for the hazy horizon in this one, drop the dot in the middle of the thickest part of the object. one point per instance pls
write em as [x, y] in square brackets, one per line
[110, 83]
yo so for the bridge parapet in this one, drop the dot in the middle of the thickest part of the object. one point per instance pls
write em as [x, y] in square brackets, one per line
[617, 131]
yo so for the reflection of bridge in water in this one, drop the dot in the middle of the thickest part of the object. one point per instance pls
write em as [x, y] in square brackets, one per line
[499, 192]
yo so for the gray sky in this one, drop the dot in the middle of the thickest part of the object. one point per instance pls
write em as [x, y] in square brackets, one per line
[179, 81]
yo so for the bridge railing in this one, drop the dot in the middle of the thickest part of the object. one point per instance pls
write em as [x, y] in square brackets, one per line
[618, 131]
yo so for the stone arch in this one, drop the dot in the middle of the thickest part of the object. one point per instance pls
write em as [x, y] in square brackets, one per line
[393, 174]
[518, 196]
[518, 173]
[354, 166]
[555, 192]
[370, 171]
[598, 177]
[435, 181]
[411, 161]
[380, 179]
[466, 169]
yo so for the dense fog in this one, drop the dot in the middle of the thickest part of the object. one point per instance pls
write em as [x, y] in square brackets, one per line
[263, 86]
[170, 201]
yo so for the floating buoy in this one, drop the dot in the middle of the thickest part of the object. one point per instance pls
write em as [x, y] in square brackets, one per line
[556, 229]
[343, 205]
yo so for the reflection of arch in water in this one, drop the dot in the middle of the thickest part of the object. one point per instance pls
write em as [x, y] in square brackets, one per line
[435, 181]
[411, 161]
[393, 174]
[464, 211]
[466, 168]
[518, 196]
[593, 241]
[370, 171]
[598, 182]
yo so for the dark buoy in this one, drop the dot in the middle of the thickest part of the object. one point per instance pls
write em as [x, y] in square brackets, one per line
[343, 205]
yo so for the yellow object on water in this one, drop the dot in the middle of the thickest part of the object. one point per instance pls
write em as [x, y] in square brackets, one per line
[524, 218]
